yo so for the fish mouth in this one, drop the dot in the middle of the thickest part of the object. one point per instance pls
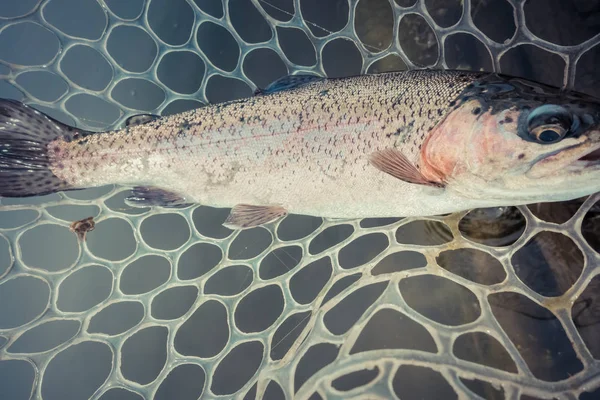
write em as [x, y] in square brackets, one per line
[591, 158]
[572, 159]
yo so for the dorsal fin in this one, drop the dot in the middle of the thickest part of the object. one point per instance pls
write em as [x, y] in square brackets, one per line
[140, 119]
[289, 82]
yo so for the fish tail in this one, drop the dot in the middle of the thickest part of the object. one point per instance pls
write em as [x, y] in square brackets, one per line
[25, 160]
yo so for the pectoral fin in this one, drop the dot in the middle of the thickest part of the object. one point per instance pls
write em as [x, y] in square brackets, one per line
[394, 163]
[246, 216]
[147, 196]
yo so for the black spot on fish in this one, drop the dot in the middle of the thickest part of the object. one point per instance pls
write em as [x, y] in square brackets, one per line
[452, 103]
[508, 120]
[476, 111]
[242, 119]
[521, 156]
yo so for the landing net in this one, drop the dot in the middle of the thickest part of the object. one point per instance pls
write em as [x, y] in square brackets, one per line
[157, 303]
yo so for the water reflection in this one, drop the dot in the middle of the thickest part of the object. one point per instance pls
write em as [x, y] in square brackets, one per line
[497, 226]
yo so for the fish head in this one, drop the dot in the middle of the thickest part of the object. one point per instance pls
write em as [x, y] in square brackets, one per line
[511, 139]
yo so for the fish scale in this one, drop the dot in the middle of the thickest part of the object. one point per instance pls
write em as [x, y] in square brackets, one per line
[368, 146]
[266, 133]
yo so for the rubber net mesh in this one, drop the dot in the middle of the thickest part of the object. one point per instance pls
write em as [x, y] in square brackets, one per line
[167, 303]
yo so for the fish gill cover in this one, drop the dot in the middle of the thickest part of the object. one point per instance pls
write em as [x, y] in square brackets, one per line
[160, 303]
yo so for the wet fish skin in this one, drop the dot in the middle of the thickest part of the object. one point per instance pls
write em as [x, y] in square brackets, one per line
[309, 149]
[264, 150]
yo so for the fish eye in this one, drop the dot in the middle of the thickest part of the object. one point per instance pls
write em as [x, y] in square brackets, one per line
[548, 133]
[549, 123]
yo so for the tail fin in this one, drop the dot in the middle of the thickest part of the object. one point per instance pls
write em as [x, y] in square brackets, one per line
[24, 160]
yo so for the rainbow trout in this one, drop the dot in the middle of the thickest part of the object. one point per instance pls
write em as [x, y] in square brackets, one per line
[411, 143]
